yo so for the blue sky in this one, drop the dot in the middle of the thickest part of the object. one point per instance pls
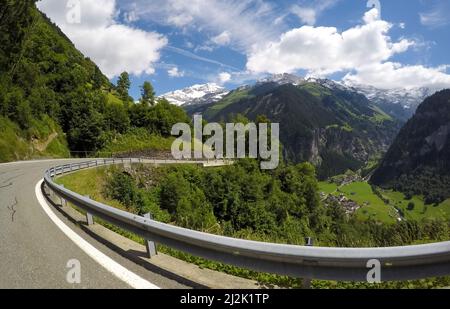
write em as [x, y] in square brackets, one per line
[178, 43]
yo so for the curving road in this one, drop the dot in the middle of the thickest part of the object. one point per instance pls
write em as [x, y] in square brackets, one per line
[34, 252]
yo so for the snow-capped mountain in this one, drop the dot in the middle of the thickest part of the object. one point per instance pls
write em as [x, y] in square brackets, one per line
[283, 79]
[409, 98]
[197, 94]
[399, 103]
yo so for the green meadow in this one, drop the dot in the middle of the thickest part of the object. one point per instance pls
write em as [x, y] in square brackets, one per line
[387, 208]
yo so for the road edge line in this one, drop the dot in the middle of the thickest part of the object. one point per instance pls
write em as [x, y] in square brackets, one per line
[105, 261]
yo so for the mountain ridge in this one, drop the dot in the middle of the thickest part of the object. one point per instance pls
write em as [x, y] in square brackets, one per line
[324, 123]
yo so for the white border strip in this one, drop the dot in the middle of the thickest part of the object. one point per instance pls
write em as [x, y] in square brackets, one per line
[109, 264]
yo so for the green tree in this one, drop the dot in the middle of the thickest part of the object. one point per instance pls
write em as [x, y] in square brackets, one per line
[147, 94]
[116, 118]
[123, 87]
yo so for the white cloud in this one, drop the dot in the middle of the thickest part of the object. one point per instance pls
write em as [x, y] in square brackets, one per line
[113, 46]
[175, 72]
[437, 16]
[324, 50]
[224, 77]
[390, 75]
[309, 14]
[131, 16]
[239, 23]
[180, 20]
[222, 39]
[363, 51]
[193, 56]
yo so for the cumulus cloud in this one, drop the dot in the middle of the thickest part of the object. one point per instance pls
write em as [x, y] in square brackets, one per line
[364, 51]
[114, 47]
[175, 72]
[390, 75]
[324, 50]
[224, 77]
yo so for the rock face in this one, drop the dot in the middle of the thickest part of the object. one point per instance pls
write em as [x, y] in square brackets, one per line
[197, 95]
[320, 121]
[418, 162]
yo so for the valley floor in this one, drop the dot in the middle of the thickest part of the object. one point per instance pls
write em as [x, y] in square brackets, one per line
[386, 206]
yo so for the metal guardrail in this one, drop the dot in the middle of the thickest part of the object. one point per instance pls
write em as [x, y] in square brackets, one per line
[343, 264]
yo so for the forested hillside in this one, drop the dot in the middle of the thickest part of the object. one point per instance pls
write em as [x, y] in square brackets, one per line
[418, 161]
[54, 100]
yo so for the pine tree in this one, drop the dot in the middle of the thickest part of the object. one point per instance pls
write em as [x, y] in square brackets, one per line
[147, 94]
[123, 86]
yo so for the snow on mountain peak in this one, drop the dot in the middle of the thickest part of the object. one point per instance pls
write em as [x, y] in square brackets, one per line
[409, 98]
[283, 79]
[197, 94]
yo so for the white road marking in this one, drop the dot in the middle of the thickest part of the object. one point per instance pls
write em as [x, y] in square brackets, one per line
[109, 264]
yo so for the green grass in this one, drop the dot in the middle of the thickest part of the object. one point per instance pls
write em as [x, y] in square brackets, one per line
[327, 187]
[380, 115]
[136, 140]
[372, 206]
[375, 208]
[89, 182]
[315, 89]
[233, 97]
[420, 210]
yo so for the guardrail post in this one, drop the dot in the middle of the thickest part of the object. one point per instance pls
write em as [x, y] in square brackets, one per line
[150, 245]
[309, 242]
[63, 201]
[89, 217]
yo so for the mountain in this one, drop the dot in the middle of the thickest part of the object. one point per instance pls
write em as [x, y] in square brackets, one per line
[283, 79]
[197, 94]
[418, 162]
[320, 121]
[54, 100]
[400, 103]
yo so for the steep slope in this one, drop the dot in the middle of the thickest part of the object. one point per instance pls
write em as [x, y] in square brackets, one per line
[25, 131]
[418, 162]
[53, 98]
[197, 94]
[332, 127]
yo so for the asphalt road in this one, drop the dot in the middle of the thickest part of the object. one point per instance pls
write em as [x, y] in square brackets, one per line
[34, 252]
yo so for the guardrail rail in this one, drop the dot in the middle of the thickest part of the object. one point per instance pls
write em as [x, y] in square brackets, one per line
[342, 264]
